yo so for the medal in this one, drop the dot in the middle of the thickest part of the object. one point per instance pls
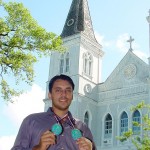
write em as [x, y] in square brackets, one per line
[56, 129]
[76, 134]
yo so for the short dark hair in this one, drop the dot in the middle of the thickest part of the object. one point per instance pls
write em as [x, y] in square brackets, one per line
[63, 77]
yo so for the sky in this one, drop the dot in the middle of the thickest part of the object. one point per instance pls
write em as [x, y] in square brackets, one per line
[114, 21]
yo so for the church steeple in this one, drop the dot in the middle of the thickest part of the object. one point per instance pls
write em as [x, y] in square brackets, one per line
[78, 20]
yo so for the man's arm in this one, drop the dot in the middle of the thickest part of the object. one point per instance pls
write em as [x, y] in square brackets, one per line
[23, 138]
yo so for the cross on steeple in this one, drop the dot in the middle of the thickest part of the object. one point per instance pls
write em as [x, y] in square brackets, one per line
[130, 41]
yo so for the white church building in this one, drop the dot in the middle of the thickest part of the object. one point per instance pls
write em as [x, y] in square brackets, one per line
[104, 106]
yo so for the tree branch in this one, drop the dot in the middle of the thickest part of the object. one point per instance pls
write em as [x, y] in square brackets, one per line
[6, 34]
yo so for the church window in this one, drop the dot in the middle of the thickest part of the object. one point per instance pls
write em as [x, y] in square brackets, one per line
[62, 63]
[108, 126]
[123, 123]
[86, 118]
[136, 118]
[87, 64]
[67, 62]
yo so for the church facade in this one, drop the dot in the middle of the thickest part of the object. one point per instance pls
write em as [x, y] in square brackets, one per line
[103, 106]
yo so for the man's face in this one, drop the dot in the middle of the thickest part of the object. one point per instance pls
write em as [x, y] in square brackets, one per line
[61, 95]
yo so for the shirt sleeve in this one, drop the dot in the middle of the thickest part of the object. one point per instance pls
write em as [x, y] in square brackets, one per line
[87, 134]
[23, 138]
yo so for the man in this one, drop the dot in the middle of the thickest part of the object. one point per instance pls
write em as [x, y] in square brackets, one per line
[54, 129]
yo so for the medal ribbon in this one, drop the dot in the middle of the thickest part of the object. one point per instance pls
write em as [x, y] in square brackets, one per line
[57, 127]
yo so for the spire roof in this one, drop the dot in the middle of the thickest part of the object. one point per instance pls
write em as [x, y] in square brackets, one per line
[78, 20]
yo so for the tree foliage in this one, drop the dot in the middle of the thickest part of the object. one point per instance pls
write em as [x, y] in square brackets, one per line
[22, 42]
[140, 141]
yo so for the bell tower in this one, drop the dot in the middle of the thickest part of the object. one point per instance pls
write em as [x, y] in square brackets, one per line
[82, 59]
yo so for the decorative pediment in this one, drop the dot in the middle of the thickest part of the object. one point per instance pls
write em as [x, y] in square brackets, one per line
[130, 71]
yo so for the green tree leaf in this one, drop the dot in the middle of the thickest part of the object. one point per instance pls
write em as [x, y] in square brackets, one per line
[22, 43]
[141, 142]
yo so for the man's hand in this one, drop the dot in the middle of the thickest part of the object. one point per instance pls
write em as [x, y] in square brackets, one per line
[47, 139]
[84, 144]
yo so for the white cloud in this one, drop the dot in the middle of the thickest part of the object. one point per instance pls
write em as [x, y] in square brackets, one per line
[141, 55]
[99, 37]
[25, 104]
[6, 142]
[121, 43]
[123, 46]
[101, 40]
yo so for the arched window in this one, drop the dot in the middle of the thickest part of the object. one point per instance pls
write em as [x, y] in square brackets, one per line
[87, 64]
[61, 63]
[108, 126]
[64, 63]
[67, 62]
[86, 118]
[136, 118]
[123, 123]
